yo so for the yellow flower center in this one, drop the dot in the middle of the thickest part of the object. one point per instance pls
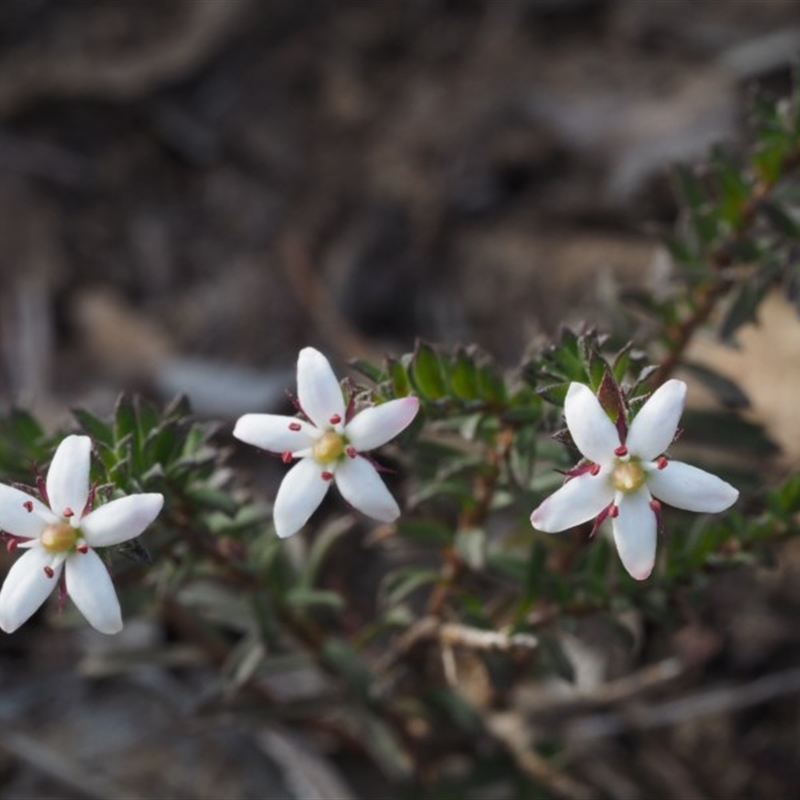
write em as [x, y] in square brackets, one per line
[59, 538]
[328, 447]
[628, 476]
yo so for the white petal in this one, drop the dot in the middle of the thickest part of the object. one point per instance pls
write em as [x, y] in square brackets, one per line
[274, 432]
[300, 492]
[121, 519]
[578, 500]
[90, 587]
[653, 428]
[377, 425]
[692, 489]
[635, 534]
[68, 476]
[25, 588]
[362, 487]
[592, 431]
[318, 390]
[15, 517]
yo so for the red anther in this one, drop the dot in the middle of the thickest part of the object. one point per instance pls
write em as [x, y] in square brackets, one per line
[83, 548]
[295, 426]
[286, 456]
[655, 505]
[621, 451]
[613, 511]
[68, 512]
[662, 462]
[11, 545]
[335, 419]
[594, 469]
[326, 476]
[49, 571]
[351, 451]
[28, 506]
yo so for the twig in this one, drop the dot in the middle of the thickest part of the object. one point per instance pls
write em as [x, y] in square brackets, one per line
[715, 701]
[319, 304]
[452, 634]
[79, 779]
[534, 765]
[27, 76]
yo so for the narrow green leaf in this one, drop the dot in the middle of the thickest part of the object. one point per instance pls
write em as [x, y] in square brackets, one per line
[781, 219]
[302, 597]
[470, 544]
[212, 499]
[94, 427]
[375, 374]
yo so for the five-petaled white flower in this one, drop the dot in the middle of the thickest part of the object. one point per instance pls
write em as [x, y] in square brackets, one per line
[625, 480]
[329, 446]
[62, 537]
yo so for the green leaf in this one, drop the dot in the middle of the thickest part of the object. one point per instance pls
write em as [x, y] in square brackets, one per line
[321, 547]
[402, 582]
[780, 219]
[124, 419]
[212, 499]
[426, 531]
[146, 416]
[470, 544]
[464, 376]
[786, 498]
[375, 374]
[94, 427]
[746, 299]
[398, 375]
[555, 393]
[302, 597]
[426, 372]
[689, 188]
[26, 427]
[491, 385]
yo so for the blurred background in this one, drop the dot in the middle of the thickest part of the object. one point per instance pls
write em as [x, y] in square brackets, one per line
[192, 190]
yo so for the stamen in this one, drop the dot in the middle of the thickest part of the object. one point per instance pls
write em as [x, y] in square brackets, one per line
[286, 456]
[621, 451]
[83, 548]
[49, 571]
[28, 506]
[68, 512]
[11, 545]
[655, 505]
[329, 447]
[351, 451]
[662, 462]
[326, 476]
[335, 419]
[594, 469]
[295, 426]
[613, 511]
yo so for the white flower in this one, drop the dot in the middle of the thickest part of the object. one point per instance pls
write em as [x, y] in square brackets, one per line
[626, 480]
[62, 537]
[329, 446]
